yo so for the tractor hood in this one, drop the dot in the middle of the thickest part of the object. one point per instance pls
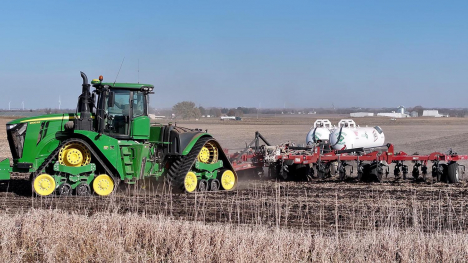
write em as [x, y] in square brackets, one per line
[48, 117]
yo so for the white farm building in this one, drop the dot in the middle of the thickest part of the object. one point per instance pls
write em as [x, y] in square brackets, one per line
[393, 114]
[361, 114]
[432, 113]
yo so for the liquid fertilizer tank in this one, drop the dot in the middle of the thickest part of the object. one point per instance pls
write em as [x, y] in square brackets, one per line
[350, 136]
[320, 132]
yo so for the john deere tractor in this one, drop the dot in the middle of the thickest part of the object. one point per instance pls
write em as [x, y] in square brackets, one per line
[108, 141]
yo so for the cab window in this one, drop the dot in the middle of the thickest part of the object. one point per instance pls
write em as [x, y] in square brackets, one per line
[139, 104]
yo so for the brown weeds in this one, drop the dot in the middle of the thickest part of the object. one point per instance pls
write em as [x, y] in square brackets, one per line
[54, 235]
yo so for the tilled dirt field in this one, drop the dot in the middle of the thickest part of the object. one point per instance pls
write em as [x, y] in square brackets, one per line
[327, 205]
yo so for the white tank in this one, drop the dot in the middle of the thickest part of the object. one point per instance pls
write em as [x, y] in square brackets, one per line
[321, 131]
[348, 136]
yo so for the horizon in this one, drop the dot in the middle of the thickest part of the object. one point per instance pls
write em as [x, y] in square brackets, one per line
[290, 108]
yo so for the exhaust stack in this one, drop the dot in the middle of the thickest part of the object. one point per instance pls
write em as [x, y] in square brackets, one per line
[84, 122]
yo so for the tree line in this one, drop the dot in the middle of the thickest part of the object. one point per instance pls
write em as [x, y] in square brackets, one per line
[189, 110]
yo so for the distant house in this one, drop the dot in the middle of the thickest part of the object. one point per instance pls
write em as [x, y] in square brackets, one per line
[414, 114]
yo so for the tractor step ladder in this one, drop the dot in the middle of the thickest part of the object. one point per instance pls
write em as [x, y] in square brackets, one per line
[127, 157]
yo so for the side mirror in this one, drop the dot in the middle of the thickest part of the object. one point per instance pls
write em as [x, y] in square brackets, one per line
[111, 99]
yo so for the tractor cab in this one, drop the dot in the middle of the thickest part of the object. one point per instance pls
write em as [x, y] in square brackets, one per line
[122, 109]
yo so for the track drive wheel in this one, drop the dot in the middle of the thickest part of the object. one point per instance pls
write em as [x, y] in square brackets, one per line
[208, 153]
[103, 185]
[74, 154]
[44, 185]
[228, 180]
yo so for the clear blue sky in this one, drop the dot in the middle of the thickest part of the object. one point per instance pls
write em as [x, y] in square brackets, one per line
[239, 53]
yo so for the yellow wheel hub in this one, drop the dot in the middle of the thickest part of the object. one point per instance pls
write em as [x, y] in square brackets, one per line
[228, 180]
[44, 185]
[208, 153]
[190, 182]
[103, 185]
[204, 155]
[74, 154]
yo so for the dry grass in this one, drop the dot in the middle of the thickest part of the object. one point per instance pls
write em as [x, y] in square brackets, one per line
[52, 235]
[256, 227]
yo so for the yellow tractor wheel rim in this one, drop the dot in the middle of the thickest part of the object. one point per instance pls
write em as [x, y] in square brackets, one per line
[204, 155]
[44, 185]
[74, 154]
[103, 185]
[74, 157]
[228, 180]
[190, 182]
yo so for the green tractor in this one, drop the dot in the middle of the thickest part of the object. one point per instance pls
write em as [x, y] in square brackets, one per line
[108, 141]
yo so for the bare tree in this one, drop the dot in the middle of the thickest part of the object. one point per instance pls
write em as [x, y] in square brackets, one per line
[186, 110]
[216, 112]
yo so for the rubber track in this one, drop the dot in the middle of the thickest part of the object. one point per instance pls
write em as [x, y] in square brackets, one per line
[182, 165]
[56, 151]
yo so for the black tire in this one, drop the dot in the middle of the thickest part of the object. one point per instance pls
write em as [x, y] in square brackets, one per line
[322, 171]
[360, 172]
[272, 171]
[202, 185]
[415, 173]
[214, 184]
[310, 173]
[378, 172]
[367, 172]
[83, 189]
[64, 190]
[301, 172]
[442, 173]
[341, 172]
[283, 173]
[453, 173]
